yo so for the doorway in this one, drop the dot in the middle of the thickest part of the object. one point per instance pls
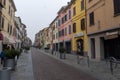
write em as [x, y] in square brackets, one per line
[112, 48]
[93, 48]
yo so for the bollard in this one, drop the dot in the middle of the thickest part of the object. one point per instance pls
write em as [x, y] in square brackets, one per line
[88, 61]
[111, 66]
[5, 73]
[78, 59]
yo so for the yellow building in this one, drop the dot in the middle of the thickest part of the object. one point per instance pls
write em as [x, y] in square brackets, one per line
[79, 36]
[7, 21]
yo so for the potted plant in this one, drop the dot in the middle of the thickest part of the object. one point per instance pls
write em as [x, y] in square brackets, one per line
[10, 58]
[62, 53]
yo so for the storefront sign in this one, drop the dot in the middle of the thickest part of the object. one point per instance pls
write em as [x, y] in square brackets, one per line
[79, 34]
[111, 35]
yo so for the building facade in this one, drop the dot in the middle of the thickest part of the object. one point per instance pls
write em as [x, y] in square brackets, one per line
[7, 22]
[103, 28]
[79, 35]
[55, 34]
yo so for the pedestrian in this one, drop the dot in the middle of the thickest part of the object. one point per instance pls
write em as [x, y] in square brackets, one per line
[2, 56]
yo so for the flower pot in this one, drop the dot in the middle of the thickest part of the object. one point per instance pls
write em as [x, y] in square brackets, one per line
[5, 73]
[10, 63]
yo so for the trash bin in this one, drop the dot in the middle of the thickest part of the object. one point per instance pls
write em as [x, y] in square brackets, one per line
[5, 73]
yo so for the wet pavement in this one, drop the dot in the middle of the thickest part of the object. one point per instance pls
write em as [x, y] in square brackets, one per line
[24, 70]
[48, 68]
[41, 65]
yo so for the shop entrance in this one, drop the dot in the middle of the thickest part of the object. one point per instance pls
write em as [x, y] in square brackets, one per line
[80, 47]
[68, 46]
[112, 48]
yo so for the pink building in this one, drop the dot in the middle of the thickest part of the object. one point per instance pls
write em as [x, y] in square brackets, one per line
[65, 27]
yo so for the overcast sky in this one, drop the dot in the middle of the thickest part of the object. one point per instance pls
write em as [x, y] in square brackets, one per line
[37, 14]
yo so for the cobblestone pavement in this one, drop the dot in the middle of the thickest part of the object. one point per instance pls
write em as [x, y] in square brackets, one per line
[48, 68]
[24, 69]
[100, 70]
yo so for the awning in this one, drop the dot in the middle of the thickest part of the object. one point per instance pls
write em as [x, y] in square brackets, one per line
[11, 41]
[8, 40]
[5, 40]
[18, 41]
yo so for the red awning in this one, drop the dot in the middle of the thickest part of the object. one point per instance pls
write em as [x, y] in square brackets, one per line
[1, 36]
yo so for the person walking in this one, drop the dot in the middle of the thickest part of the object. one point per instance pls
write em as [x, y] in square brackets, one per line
[2, 56]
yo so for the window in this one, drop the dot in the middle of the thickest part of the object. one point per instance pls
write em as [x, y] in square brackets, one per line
[9, 10]
[90, 0]
[59, 33]
[56, 35]
[2, 21]
[74, 11]
[65, 31]
[66, 17]
[58, 22]
[4, 2]
[11, 13]
[8, 27]
[82, 5]
[116, 7]
[69, 14]
[83, 24]
[74, 27]
[91, 17]
[62, 32]
[53, 36]
[62, 20]
[69, 29]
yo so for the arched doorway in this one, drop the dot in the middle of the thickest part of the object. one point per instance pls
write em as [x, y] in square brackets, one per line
[80, 47]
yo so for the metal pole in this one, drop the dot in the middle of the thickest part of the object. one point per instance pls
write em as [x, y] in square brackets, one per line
[111, 66]
[88, 61]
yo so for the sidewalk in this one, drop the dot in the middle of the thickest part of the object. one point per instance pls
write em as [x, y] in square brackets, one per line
[100, 70]
[24, 70]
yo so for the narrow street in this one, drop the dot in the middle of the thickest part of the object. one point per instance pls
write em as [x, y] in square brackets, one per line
[47, 68]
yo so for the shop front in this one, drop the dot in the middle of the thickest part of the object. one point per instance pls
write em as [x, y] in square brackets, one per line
[79, 44]
[104, 45]
[112, 45]
[68, 46]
